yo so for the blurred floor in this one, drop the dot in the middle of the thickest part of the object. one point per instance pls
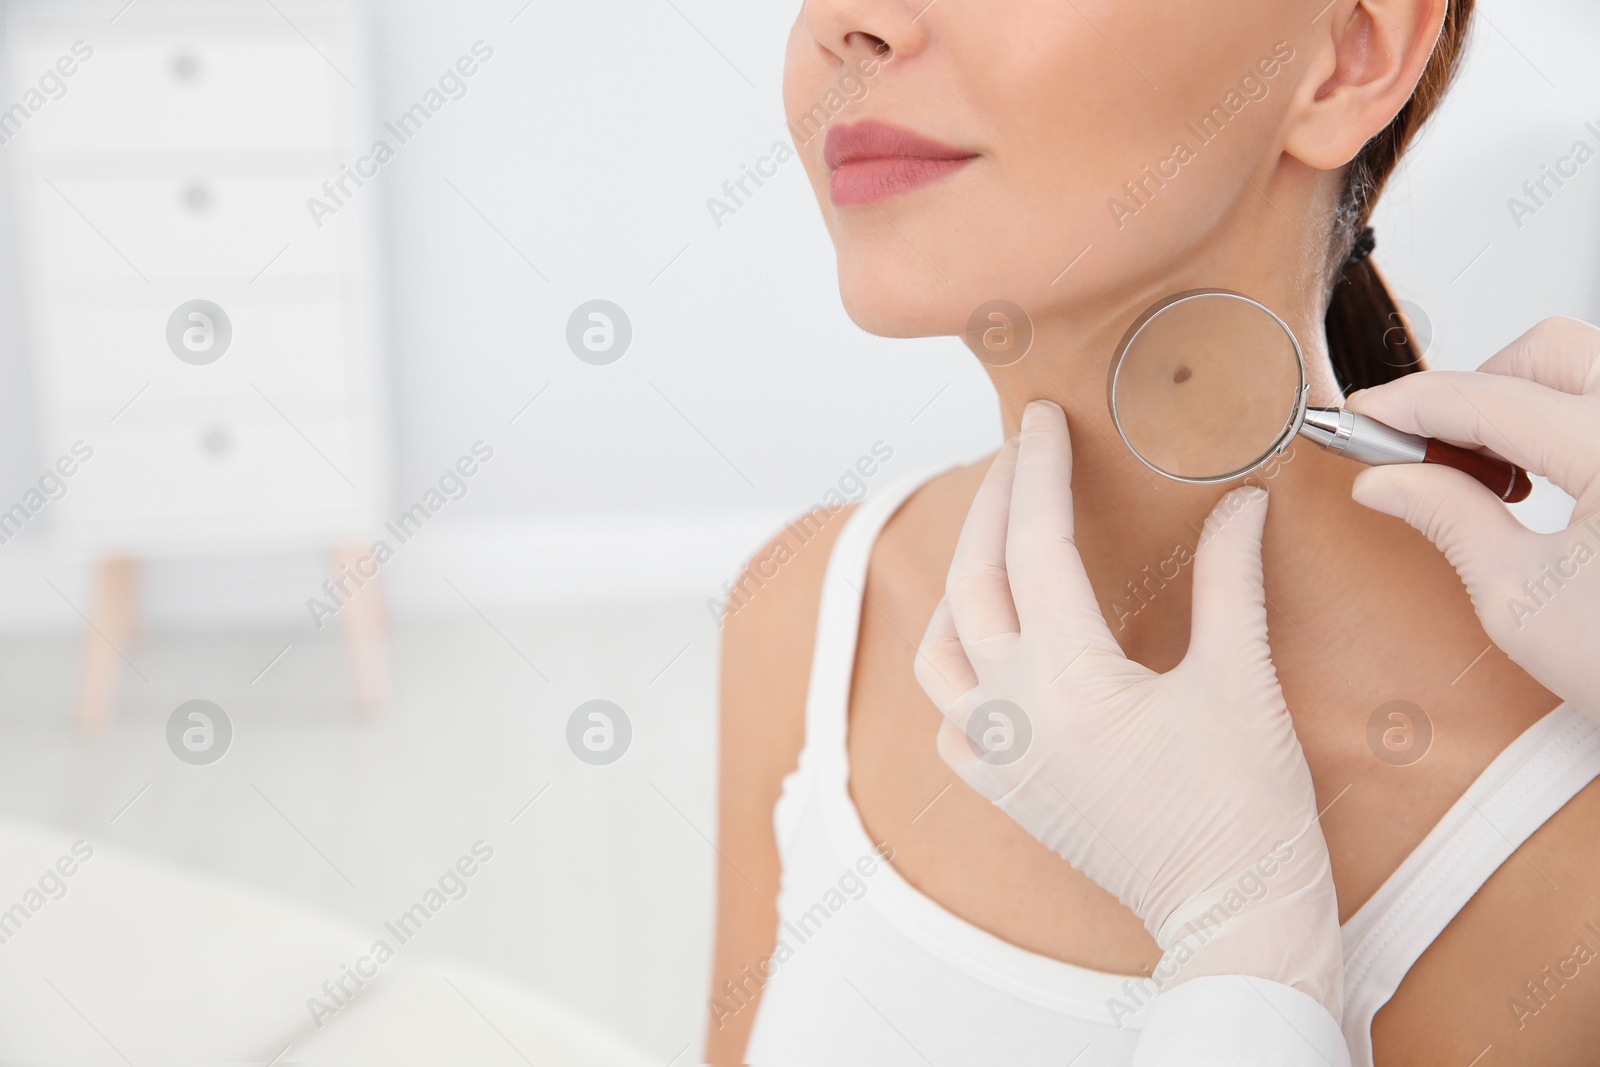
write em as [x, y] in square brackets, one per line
[599, 893]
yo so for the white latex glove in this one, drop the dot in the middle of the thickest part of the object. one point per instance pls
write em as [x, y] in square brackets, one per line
[1184, 794]
[1537, 403]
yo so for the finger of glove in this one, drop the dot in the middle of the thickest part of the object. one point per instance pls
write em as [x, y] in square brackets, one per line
[1560, 353]
[942, 667]
[997, 782]
[1048, 580]
[958, 755]
[1229, 631]
[976, 588]
[1472, 528]
[1542, 429]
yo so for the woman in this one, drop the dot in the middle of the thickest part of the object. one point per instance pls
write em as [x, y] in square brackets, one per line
[1081, 162]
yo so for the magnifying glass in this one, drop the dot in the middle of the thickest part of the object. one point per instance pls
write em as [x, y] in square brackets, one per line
[1209, 385]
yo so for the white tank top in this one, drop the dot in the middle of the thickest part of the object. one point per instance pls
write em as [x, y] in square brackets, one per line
[868, 970]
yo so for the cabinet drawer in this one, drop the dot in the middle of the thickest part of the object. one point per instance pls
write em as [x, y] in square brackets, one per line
[97, 347]
[159, 84]
[182, 482]
[188, 223]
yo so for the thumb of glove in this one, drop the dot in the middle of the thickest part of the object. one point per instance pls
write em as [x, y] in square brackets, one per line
[1465, 521]
[1230, 613]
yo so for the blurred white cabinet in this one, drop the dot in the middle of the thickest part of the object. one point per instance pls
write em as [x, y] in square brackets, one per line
[163, 157]
[173, 166]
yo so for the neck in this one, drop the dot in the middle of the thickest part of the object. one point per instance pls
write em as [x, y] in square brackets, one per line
[1137, 529]
[1356, 599]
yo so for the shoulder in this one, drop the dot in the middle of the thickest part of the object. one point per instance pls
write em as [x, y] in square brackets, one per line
[769, 619]
[1519, 968]
[769, 615]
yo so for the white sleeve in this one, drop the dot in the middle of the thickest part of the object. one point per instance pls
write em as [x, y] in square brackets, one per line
[1236, 1021]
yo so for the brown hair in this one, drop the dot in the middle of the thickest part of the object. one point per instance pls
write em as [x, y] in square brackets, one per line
[1368, 341]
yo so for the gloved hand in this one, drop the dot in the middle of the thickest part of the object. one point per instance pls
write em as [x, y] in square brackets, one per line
[1537, 403]
[1184, 794]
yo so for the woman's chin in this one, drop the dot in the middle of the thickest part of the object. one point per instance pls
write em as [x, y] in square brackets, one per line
[880, 307]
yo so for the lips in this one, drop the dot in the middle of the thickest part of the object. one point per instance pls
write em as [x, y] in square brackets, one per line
[873, 160]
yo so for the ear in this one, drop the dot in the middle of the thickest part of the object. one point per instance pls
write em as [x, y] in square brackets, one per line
[1374, 53]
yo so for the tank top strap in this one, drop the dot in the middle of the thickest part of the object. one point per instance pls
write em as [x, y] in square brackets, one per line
[839, 620]
[1518, 792]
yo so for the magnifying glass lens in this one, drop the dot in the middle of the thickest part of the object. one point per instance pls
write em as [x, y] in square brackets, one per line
[1206, 386]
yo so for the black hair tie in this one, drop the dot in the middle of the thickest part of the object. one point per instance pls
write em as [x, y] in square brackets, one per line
[1365, 242]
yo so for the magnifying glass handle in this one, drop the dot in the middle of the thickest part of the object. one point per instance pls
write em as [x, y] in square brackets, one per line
[1366, 440]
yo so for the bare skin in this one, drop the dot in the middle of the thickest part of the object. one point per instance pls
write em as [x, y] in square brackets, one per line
[1363, 610]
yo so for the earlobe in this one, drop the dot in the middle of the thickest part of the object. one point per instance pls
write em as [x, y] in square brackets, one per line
[1375, 52]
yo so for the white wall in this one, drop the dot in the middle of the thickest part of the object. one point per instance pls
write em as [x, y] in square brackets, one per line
[1526, 90]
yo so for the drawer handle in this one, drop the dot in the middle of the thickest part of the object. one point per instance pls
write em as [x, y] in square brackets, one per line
[216, 442]
[197, 197]
[185, 67]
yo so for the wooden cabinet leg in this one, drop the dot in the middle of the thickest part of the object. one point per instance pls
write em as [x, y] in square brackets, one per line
[365, 629]
[105, 643]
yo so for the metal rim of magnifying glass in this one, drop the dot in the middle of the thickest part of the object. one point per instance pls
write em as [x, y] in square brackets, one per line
[1287, 434]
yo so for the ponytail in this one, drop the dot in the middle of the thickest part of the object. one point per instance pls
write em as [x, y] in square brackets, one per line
[1368, 340]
